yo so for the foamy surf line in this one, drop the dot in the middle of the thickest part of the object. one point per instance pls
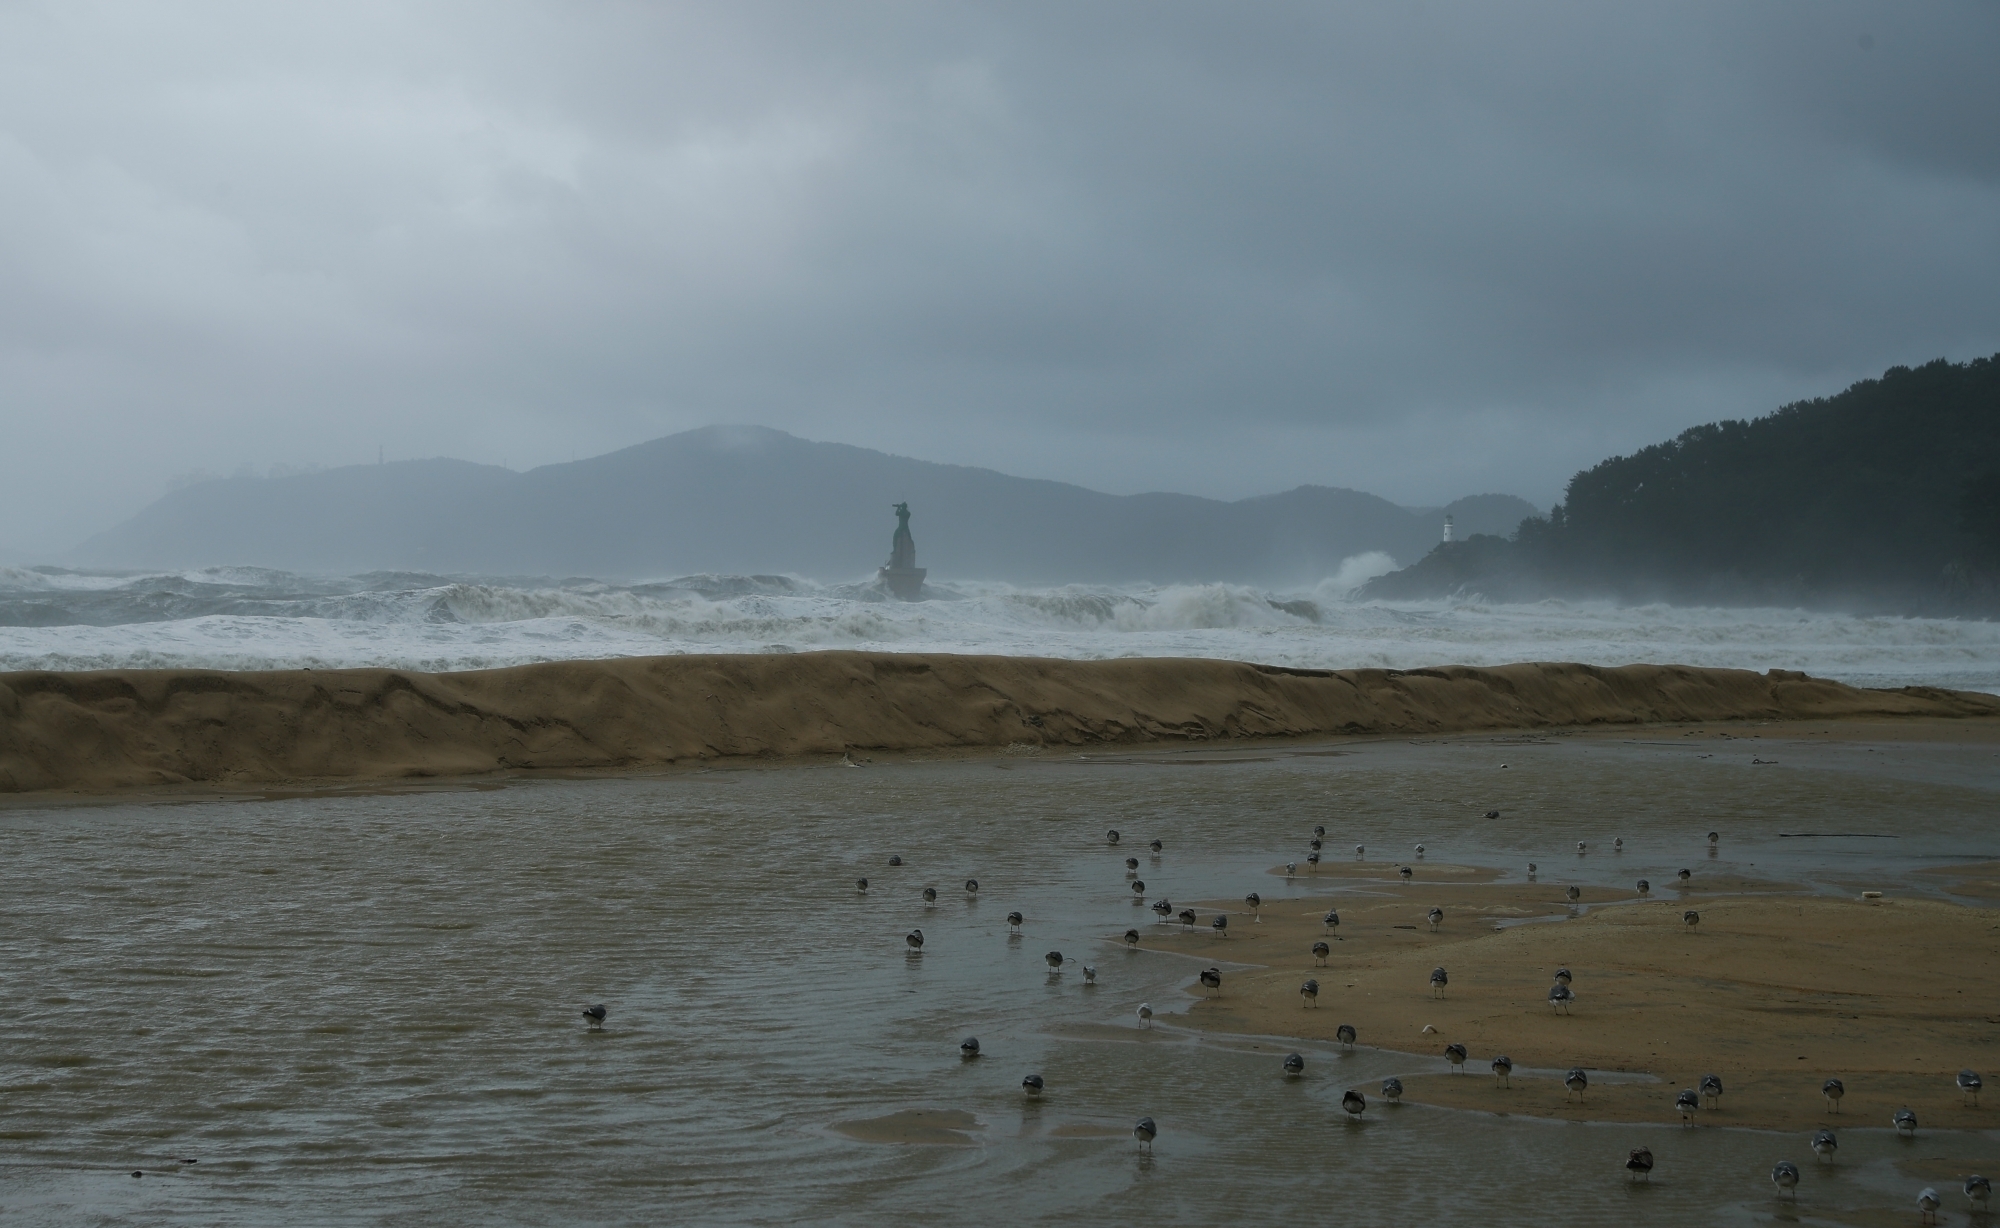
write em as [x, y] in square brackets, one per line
[245, 619]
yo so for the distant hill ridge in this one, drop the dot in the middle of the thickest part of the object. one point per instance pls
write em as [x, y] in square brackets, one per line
[752, 499]
[1885, 497]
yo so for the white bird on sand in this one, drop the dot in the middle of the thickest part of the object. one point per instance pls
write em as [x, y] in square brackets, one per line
[1503, 1070]
[1438, 981]
[1691, 918]
[1355, 1103]
[1145, 1131]
[1320, 952]
[1833, 1090]
[1687, 1102]
[1407, 873]
[1969, 1084]
[1211, 978]
[1785, 1175]
[1905, 1123]
[1711, 1090]
[1455, 1054]
[1220, 925]
[1645, 887]
[1309, 993]
[1436, 918]
[1574, 893]
[1824, 1144]
[1392, 1089]
[1560, 997]
[1145, 1014]
[1331, 920]
[1685, 875]
[1978, 1192]
[1927, 1205]
[1291, 868]
[1345, 1035]
[1163, 909]
[1255, 902]
[1188, 918]
[1576, 1081]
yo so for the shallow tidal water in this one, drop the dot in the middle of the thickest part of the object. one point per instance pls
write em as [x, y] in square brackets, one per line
[363, 1008]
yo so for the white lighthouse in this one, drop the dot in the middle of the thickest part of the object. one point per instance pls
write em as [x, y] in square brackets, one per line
[1447, 526]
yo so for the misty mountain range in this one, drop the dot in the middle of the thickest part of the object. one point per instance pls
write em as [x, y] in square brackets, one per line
[750, 499]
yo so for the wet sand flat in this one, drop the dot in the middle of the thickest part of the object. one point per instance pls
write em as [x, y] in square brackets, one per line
[1773, 992]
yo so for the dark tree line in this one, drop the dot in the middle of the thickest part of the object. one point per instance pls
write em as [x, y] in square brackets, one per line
[1884, 497]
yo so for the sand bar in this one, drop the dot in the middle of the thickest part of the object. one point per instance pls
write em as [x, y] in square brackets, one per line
[97, 731]
[1775, 992]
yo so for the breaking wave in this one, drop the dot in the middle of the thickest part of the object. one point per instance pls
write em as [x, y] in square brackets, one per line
[245, 618]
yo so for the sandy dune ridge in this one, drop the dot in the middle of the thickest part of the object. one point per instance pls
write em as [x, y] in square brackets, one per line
[93, 731]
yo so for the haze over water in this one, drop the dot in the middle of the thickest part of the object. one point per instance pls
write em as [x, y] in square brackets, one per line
[363, 1007]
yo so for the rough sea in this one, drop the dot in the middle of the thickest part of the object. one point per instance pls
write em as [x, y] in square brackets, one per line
[247, 618]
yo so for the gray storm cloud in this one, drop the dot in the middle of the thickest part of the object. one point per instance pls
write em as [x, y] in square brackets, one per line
[1421, 250]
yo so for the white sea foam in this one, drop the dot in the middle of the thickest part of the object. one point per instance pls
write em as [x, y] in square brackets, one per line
[247, 619]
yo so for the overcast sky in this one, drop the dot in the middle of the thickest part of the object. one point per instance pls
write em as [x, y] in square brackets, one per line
[1418, 249]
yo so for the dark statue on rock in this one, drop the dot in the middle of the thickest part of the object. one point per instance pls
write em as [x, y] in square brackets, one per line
[902, 576]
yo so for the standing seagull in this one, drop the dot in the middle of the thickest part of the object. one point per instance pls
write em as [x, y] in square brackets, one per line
[1138, 891]
[968, 1048]
[1392, 1089]
[1291, 868]
[1320, 952]
[972, 886]
[1359, 850]
[1645, 887]
[1684, 876]
[1014, 922]
[1163, 909]
[1560, 997]
[1563, 975]
[1619, 843]
[1294, 1065]
[1436, 918]
[1503, 1070]
[1574, 893]
[1407, 873]
[1089, 975]
[1576, 1081]
[1255, 902]
[1312, 859]
[1824, 1145]
[1145, 1131]
[1309, 993]
[1345, 1035]
[895, 860]
[1145, 1014]
[1131, 938]
[1188, 919]
[1969, 1085]
[1692, 918]
[1211, 978]
[1331, 920]
[1220, 925]
[1420, 852]
[1157, 847]
[1455, 1054]
[930, 897]
[1319, 830]
[596, 1016]
[1927, 1205]
[1581, 848]
[1640, 1164]
[1054, 959]
[1978, 1192]
[1355, 1103]
[1711, 1090]
[1032, 1085]
[1111, 837]
[1316, 844]
[1131, 867]
[1785, 1175]
[1905, 1123]
[1438, 981]
[1687, 1102]
[861, 884]
[1531, 871]
[915, 941]
[1713, 837]
[1833, 1090]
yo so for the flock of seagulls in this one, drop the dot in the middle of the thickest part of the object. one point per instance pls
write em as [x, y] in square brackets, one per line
[1639, 1163]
